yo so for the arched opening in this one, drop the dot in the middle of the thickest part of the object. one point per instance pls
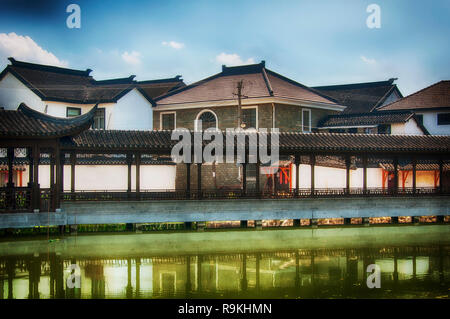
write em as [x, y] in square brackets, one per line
[208, 118]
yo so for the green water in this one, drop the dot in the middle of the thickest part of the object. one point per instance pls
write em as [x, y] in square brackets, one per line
[286, 263]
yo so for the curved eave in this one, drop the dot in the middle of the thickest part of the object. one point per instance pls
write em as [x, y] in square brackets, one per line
[74, 125]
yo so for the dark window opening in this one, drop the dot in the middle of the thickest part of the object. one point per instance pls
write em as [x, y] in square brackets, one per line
[249, 118]
[168, 121]
[353, 130]
[73, 111]
[443, 119]
[208, 120]
[384, 129]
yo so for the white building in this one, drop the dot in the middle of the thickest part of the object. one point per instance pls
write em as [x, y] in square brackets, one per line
[123, 104]
[431, 106]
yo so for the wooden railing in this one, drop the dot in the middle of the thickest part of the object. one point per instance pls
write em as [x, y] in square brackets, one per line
[167, 194]
[15, 199]
[19, 199]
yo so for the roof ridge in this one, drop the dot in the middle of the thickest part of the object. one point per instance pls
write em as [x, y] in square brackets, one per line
[361, 84]
[49, 68]
[413, 94]
[177, 78]
[302, 86]
[125, 80]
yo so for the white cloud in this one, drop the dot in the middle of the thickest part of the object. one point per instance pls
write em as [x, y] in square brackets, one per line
[25, 49]
[133, 58]
[232, 59]
[368, 60]
[173, 44]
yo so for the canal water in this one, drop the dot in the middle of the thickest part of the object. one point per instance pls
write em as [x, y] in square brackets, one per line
[328, 262]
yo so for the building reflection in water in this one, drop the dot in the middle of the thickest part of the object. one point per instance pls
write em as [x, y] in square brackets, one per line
[327, 273]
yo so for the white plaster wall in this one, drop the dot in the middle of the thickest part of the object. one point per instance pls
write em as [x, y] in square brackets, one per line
[329, 177]
[408, 128]
[411, 128]
[132, 112]
[430, 123]
[13, 92]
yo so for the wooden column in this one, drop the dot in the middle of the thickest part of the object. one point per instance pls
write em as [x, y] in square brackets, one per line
[244, 178]
[396, 175]
[10, 154]
[188, 180]
[138, 176]
[36, 190]
[414, 174]
[441, 170]
[364, 160]
[297, 174]
[258, 164]
[30, 166]
[62, 161]
[129, 162]
[52, 201]
[58, 178]
[73, 160]
[312, 160]
[199, 180]
[347, 175]
[11, 198]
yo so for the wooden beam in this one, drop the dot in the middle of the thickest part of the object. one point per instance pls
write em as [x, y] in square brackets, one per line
[312, 160]
[36, 191]
[199, 180]
[188, 180]
[73, 160]
[10, 154]
[244, 178]
[129, 163]
[414, 174]
[347, 174]
[138, 176]
[441, 170]
[258, 165]
[297, 174]
[30, 166]
[364, 160]
[395, 174]
[52, 201]
[58, 184]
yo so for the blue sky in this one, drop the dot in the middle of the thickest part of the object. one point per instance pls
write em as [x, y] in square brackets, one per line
[313, 42]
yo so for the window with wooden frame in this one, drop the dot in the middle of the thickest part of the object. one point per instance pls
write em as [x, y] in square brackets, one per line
[168, 121]
[99, 119]
[443, 119]
[306, 120]
[73, 111]
[249, 117]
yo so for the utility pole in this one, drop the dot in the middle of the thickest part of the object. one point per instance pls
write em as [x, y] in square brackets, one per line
[239, 94]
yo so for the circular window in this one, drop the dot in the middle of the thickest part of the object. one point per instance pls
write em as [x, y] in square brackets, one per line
[208, 120]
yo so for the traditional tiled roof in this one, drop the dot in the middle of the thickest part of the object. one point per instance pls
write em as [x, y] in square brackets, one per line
[257, 82]
[365, 119]
[360, 97]
[26, 122]
[288, 142]
[52, 83]
[436, 96]
[156, 88]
